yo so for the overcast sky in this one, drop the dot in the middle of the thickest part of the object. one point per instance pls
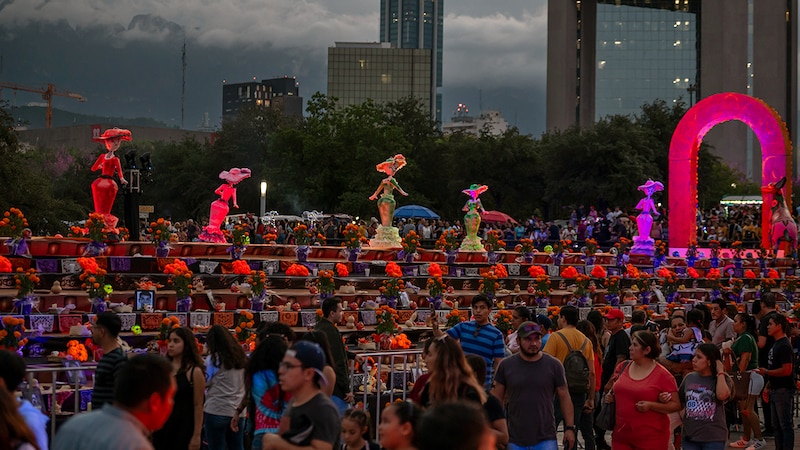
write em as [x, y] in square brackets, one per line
[487, 44]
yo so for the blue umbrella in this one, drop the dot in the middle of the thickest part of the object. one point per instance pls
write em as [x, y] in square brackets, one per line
[414, 211]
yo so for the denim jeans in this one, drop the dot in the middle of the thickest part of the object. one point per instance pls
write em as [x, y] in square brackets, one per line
[686, 444]
[577, 408]
[218, 433]
[341, 405]
[781, 402]
[544, 445]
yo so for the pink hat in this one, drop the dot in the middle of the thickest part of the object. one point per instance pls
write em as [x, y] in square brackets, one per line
[235, 175]
[114, 133]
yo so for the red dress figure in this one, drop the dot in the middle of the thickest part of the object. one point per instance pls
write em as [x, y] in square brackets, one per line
[104, 188]
[219, 208]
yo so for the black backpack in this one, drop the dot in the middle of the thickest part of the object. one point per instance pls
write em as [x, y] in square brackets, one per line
[576, 368]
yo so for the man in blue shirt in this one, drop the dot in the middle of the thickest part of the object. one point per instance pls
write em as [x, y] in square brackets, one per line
[478, 336]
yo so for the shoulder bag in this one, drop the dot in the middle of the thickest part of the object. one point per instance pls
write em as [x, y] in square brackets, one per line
[607, 417]
[741, 380]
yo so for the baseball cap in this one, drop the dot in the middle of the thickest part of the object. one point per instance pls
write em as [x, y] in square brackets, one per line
[311, 356]
[528, 328]
[615, 314]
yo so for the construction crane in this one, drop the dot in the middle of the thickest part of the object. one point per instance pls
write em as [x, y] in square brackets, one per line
[47, 94]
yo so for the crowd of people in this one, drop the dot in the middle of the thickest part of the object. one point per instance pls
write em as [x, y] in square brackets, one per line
[651, 389]
[724, 224]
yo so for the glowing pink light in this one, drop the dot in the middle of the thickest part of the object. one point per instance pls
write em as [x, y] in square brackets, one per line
[776, 151]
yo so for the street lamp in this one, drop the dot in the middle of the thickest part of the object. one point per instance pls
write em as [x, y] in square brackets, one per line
[263, 198]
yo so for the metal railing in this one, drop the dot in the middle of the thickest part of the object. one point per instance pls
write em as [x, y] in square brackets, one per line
[401, 371]
[74, 384]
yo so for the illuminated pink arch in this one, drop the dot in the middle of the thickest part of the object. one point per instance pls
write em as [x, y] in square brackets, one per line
[776, 155]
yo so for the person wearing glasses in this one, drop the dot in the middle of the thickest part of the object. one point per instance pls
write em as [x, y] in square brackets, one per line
[477, 336]
[311, 419]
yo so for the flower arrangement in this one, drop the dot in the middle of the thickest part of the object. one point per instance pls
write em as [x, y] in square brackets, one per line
[692, 273]
[11, 333]
[502, 321]
[623, 245]
[387, 319]
[147, 284]
[590, 247]
[243, 331]
[258, 282]
[541, 285]
[535, 271]
[270, 238]
[239, 235]
[736, 287]
[552, 313]
[95, 225]
[159, 231]
[435, 284]
[5, 265]
[302, 236]
[749, 274]
[390, 291]
[660, 252]
[180, 277]
[670, 283]
[25, 281]
[489, 284]
[598, 272]
[631, 271]
[642, 281]
[737, 248]
[582, 286]
[447, 242]
[241, 267]
[714, 246]
[494, 241]
[77, 351]
[167, 325]
[766, 285]
[354, 236]
[612, 285]
[525, 247]
[453, 318]
[410, 242]
[318, 315]
[341, 270]
[297, 270]
[13, 223]
[401, 341]
[569, 273]
[562, 246]
[325, 282]
[772, 273]
[93, 278]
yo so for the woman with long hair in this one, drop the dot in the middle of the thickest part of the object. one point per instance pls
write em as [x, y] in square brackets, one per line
[703, 393]
[587, 417]
[451, 376]
[266, 401]
[225, 382]
[183, 428]
[330, 374]
[744, 354]
[14, 432]
[645, 393]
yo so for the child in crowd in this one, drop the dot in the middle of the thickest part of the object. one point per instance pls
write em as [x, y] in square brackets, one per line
[398, 424]
[681, 340]
[355, 431]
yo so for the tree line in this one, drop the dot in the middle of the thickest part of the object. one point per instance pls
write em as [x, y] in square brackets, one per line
[326, 162]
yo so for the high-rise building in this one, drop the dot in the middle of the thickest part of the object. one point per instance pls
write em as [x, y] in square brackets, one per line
[612, 56]
[282, 93]
[417, 24]
[378, 71]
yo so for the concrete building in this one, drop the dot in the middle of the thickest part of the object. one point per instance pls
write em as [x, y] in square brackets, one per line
[417, 24]
[282, 93]
[489, 121]
[359, 71]
[611, 56]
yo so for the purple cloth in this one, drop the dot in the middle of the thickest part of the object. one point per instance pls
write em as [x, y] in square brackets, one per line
[120, 263]
[47, 265]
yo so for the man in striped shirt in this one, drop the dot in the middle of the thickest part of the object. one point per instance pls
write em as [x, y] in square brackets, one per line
[478, 336]
[104, 334]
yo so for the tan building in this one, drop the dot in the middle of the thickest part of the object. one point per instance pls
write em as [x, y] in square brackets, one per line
[359, 71]
[611, 56]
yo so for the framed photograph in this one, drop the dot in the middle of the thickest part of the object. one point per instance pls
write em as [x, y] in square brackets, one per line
[73, 375]
[144, 297]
